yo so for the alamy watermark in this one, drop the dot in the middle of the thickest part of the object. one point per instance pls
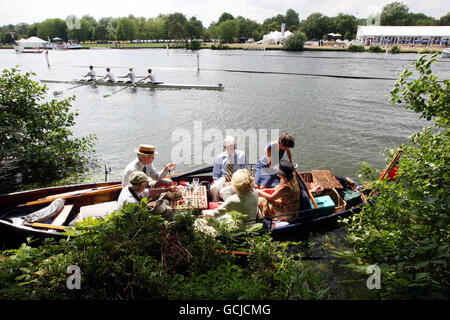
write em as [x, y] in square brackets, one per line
[74, 280]
[202, 145]
[374, 281]
[73, 22]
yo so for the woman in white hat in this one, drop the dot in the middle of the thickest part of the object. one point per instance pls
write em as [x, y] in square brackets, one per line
[245, 200]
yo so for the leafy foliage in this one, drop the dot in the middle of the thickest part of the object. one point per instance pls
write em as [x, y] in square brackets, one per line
[375, 48]
[295, 41]
[133, 255]
[35, 143]
[355, 48]
[425, 95]
[405, 230]
[395, 49]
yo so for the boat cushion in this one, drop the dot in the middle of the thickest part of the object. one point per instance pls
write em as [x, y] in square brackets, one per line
[99, 210]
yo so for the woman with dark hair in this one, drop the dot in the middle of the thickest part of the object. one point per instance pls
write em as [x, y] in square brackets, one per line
[266, 174]
[285, 197]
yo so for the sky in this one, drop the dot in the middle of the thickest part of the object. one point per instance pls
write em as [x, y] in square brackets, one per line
[207, 11]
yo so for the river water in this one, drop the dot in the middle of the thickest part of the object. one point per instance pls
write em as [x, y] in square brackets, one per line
[337, 122]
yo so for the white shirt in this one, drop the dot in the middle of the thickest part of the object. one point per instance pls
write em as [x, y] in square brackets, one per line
[151, 77]
[136, 165]
[110, 76]
[126, 197]
[91, 74]
[132, 76]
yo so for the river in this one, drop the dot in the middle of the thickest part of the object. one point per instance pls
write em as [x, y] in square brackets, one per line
[338, 122]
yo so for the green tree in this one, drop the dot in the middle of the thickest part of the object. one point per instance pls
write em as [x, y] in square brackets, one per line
[176, 26]
[291, 18]
[52, 28]
[224, 17]
[84, 33]
[228, 31]
[100, 32]
[248, 28]
[155, 28]
[126, 29]
[420, 19]
[194, 28]
[445, 20]
[395, 14]
[35, 143]
[346, 25]
[316, 26]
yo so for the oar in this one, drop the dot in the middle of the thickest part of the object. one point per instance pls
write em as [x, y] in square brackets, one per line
[58, 92]
[306, 187]
[109, 95]
[389, 168]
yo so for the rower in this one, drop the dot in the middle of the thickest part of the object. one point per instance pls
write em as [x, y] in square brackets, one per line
[150, 76]
[109, 75]
[130, 75]
[91, 74]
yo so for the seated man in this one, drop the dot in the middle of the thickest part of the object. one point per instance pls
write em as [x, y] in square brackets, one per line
[145, 156]
[130, 75]
[136, 191]
[225, 165]
[133, 193]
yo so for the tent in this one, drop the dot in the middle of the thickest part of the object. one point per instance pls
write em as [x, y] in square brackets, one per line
[32, 42]
[275, 37]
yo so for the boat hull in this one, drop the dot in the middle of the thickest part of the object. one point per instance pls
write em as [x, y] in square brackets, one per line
[20, 204]
[161, 85]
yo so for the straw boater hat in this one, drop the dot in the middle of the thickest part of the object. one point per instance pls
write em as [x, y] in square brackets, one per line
[242, 181]
[145, 149]
[138, 177]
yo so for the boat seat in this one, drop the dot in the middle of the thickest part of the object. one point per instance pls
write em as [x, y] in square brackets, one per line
[99, 210]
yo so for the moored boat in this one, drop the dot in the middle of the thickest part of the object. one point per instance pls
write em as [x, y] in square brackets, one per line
[156, 85]
[335, 197]
[446, 53]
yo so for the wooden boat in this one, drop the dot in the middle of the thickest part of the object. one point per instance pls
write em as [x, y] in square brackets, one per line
[156, 85]
[84, 198]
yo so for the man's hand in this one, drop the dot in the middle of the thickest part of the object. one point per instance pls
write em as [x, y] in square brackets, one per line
[169, 167]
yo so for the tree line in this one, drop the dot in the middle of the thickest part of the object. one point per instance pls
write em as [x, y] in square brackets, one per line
[227, 28]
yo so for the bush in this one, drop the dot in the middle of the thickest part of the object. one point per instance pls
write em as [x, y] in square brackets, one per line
[395, 49]
[375, 48]
[355, 48]
[295, 41]
[405, 230]
[195, 45]
[133, 255]
[36, 144]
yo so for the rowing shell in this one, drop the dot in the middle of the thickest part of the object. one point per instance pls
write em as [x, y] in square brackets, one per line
[157, 85]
